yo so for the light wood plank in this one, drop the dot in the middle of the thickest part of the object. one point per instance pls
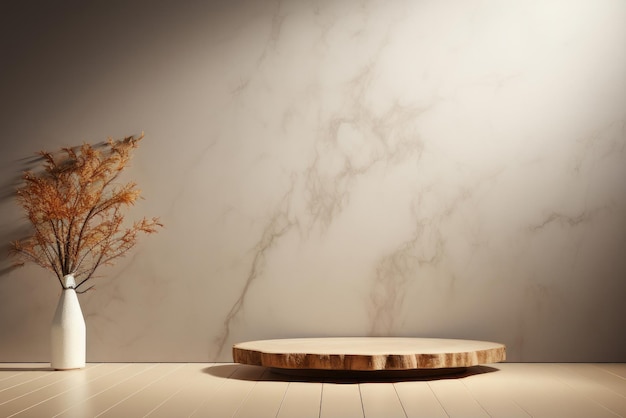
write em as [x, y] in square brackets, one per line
[90, 404]
[456, 399]
[539, 392]
[618, 369]
[33, 383]
[195, 391]
[609, 380]
[265, 398]
[146, 398]
[491, 391]
[10, 370]
[41, 402]
[341, 401]
[172, 390]
[302, 400]
[419, 401]
[15, 378]
[229, 397]
[380, 400]
[590, 388]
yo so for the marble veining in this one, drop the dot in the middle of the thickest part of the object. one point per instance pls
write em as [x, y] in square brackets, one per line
[447, 169]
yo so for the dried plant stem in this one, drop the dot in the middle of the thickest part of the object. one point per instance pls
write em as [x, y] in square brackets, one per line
[75, 207]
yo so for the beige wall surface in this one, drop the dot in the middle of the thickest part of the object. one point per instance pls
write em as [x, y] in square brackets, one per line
[333, 168]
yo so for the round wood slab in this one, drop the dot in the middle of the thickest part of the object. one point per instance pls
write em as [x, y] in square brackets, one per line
[367, 353]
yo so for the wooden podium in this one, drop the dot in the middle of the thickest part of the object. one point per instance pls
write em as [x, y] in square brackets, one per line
[367, 354]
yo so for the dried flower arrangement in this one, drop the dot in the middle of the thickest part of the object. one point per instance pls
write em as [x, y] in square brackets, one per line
[75, 208]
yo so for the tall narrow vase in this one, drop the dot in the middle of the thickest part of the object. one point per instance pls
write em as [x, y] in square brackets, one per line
[68, 336]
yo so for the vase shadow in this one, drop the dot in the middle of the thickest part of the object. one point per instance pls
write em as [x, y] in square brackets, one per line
[40, 368]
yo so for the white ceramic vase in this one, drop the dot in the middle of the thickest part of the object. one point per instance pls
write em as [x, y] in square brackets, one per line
[68, 335]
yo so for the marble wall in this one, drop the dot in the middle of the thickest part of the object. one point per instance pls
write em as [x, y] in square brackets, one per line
[356, 167]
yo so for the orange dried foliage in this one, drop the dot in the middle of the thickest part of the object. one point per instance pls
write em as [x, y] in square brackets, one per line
[75, 207]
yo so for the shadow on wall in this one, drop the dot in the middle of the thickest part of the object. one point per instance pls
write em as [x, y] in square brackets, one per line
[12, 231]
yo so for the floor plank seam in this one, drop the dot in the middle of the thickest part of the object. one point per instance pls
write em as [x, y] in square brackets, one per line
[610, 372]
[22, 383]
[361, 399]
[474, 398]
[215, 390]
[282, 400]
[319, 415]
[607, 387]
[108, 388]
[180, 389]
[61, 393]
[395, 389]
[245, 398]
[34, 390]
[152, 382]
[69, 390]
[522, 408]
[585, 395]
[438, 400]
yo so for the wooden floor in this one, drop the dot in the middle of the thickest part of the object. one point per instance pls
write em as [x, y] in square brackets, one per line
[230, 390]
